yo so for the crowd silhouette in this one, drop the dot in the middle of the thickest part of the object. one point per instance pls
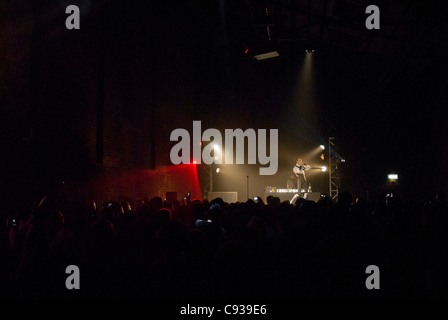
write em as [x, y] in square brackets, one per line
[151, 249]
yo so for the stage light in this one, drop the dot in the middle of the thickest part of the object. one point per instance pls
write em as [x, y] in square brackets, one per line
[246, 49]
[217, 170]
[324, 168]
[265, 56]
[194, 162]
[392, 176]
[322, 147]
[309, 51]
[216, 147]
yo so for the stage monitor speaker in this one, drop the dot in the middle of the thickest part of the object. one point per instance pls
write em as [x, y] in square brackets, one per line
[314, 196]
[171, 196]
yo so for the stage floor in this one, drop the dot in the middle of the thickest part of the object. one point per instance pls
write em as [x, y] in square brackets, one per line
[315, 196]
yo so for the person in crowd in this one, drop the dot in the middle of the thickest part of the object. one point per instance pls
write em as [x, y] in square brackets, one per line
[214, 249]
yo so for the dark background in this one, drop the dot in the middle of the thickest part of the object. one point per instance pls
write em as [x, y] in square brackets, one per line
[79, 104]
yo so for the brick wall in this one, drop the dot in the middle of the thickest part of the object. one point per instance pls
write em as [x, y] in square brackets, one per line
[115, 184]
[149, 89]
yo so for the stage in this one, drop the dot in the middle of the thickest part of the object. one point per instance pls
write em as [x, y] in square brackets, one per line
[285, 194]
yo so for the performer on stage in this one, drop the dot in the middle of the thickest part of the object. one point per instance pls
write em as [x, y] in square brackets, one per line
[290, 183]
[299, 170]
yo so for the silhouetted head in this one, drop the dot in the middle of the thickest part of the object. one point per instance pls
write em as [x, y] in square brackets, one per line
[140, 202]
[163, 217]
[216, 213]
[199, 211]
[250, 202]
[168, 205]
[155, 204]
[309, 207]
[345, 199]
[126, 206]
[275, 202]
[89, 206]
[300, 202]
[219, 201]
[117, 209]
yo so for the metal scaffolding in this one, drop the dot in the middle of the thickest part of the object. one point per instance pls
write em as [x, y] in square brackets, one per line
[332, 171]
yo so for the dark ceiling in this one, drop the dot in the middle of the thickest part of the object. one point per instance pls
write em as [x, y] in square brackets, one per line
[411, 33]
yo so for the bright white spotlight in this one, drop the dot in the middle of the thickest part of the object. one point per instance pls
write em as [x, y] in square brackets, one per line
[217, 170]
[324, 168]
[216, 147]
[322, 146]
[392, 176]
